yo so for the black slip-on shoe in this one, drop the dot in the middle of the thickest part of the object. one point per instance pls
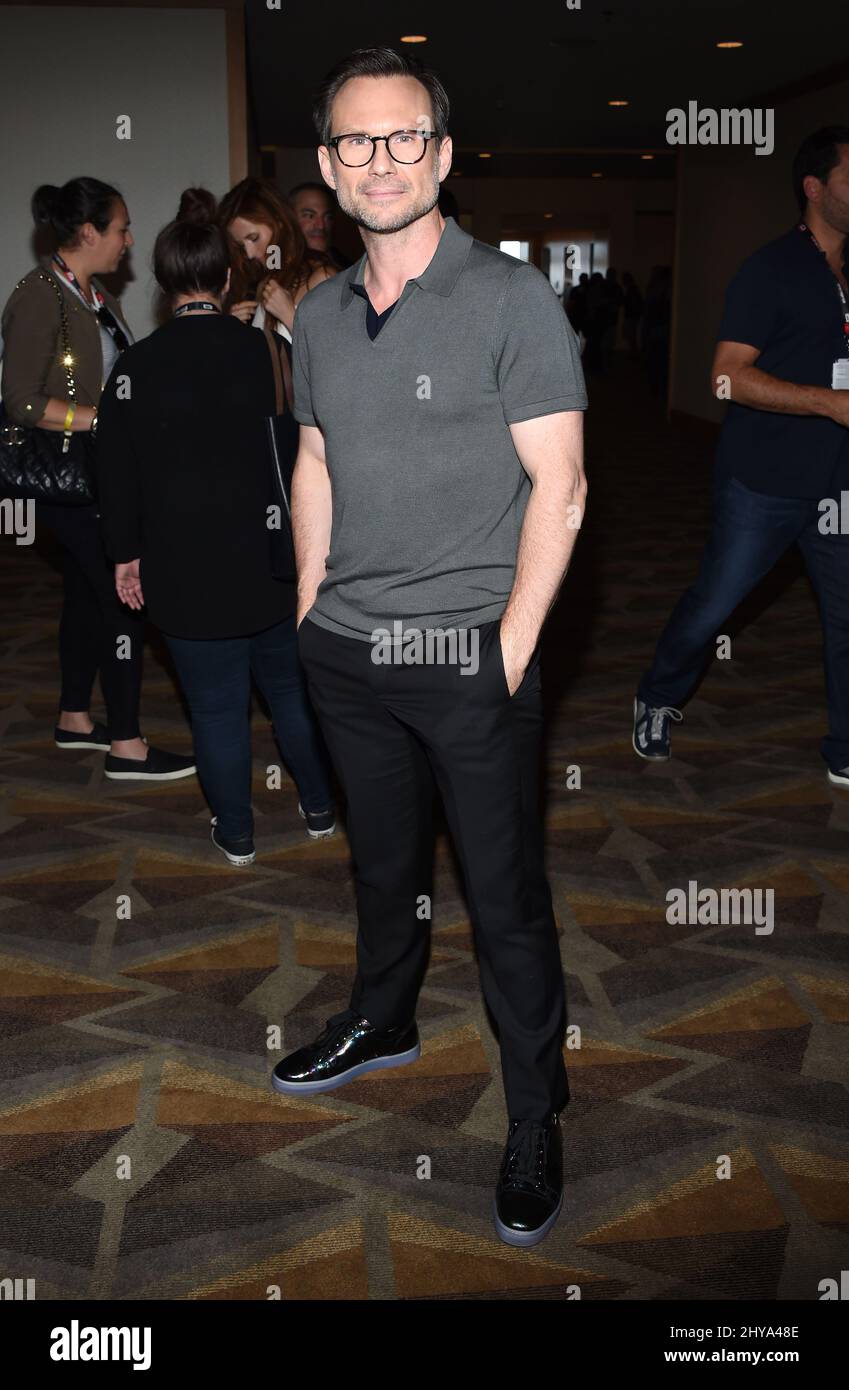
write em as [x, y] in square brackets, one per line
[348, 1047]
[239, 851]
[839, 776]
[529, 1191]
[319, 823]
[158, 766]
[98, 739]
[652, 736]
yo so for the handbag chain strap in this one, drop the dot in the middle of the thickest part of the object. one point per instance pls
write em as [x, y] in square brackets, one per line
[67, 356]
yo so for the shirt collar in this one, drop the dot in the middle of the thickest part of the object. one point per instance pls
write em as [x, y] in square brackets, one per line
[439, 276]
[821, 253]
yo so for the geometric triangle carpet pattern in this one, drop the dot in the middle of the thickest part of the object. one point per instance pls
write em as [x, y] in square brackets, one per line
[147, 988]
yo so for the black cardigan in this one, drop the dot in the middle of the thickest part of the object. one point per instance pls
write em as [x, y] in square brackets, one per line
[184, 476]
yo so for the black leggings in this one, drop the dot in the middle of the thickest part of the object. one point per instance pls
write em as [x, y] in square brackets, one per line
[94, 622]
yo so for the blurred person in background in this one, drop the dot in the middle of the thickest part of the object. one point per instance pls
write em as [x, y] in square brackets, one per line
[89, 223]
[782, 363]
[273, 265]
[185, 485]
[314, 208]
[632, 312]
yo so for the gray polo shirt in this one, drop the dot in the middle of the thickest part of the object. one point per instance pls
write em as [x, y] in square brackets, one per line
[428, 492]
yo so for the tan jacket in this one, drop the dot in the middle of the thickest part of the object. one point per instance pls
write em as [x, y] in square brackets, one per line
[32, 346]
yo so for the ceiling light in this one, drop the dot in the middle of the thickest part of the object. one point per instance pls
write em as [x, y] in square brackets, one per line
[598, 175]
[730, 43]
[414, 38]
[548, 214]
[484, 155]
[646, 156]
[618, 101]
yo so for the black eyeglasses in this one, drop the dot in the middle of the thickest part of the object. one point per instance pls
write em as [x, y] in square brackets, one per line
[404, 146]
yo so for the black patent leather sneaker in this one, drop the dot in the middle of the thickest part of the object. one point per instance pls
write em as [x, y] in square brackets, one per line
[348, 1047]
[529, 1191]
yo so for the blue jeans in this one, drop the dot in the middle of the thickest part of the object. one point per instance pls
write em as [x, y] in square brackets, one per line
[215, 674]
[750, 533]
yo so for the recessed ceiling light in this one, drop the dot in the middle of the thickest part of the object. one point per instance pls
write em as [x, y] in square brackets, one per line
[646, 156]
[730, 43]
[618, 101]
[484, 154]
[414, 38]
[548, 214]
[598, 175]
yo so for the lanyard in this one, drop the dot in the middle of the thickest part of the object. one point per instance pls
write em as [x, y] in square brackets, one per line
[69, 275]
[197, 304]
[844, 306]
[105, 316]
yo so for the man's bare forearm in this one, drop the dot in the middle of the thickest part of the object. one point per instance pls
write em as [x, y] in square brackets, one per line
[550, 527]
[753, 387]
[311, 523]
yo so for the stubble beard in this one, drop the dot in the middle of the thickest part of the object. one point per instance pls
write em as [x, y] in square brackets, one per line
[358, 210]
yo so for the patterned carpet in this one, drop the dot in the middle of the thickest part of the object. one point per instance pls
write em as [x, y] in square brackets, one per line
[144, 1154]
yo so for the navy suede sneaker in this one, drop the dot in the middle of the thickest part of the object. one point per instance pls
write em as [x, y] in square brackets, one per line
[652, 734]
[320, 824]
[239, 852]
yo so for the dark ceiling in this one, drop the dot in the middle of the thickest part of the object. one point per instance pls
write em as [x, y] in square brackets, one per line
[537, 77]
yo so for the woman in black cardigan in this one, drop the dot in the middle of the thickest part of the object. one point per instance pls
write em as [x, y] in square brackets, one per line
[184, 481]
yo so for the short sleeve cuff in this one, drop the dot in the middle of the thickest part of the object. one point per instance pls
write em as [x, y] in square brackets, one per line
[303, 417]
[514, 414]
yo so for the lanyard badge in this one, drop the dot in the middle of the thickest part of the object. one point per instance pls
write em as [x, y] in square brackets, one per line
[840, 368]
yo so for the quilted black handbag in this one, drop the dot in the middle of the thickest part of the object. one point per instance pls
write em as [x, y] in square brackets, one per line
[282, 430]
[46, 465]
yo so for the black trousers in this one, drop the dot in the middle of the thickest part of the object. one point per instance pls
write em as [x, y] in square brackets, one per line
[93, 622]
[387, 726]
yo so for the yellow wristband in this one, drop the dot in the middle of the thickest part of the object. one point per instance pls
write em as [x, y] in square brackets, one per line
[70, 415]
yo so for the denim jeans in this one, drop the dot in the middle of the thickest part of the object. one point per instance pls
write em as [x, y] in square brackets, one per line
[749, 534]
[215, 674]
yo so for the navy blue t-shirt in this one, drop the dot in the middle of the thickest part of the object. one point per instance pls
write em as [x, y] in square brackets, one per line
[784, 300]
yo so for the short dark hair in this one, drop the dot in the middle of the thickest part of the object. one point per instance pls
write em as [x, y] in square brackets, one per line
[817, 155]
[312, 188]
[64, 210]
[191, 253]
[379, 62]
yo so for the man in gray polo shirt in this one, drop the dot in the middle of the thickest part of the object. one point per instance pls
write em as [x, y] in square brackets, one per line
[436, 499]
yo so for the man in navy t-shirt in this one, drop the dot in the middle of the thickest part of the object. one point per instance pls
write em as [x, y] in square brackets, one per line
[782, 362]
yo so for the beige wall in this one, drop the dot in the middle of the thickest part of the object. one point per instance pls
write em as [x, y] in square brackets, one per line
[730, 202]
[67, 75]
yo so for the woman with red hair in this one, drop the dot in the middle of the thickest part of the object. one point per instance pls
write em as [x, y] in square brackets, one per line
[273, 265]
